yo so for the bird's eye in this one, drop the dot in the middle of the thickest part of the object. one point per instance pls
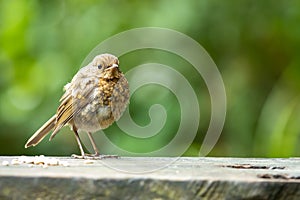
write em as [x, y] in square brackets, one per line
[99, 66]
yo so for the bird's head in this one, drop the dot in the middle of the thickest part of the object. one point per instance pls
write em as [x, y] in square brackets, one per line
[108, 65]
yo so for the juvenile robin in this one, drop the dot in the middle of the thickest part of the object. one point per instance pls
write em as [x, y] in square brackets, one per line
[95, 98]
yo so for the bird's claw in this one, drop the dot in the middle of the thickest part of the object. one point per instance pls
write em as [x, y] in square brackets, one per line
[95, 156]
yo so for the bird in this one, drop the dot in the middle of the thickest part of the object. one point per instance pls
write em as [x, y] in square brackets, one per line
[95, 98]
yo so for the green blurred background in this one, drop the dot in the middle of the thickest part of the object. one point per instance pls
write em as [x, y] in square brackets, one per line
[255, 45]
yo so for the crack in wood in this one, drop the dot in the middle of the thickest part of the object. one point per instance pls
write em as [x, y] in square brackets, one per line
[249, 166]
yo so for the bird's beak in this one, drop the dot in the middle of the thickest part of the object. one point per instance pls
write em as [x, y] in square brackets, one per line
[112, 71]
[113, 66]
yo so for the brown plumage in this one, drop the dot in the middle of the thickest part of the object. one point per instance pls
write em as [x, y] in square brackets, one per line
[96, 97]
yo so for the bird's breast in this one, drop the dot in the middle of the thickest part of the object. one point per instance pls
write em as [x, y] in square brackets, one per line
[103, 105]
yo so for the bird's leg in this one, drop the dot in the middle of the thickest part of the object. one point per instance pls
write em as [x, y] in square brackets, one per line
[79, 144]
[94, 144]
[97, 154]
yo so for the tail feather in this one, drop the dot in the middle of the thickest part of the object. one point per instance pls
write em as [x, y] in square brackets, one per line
[41, 133]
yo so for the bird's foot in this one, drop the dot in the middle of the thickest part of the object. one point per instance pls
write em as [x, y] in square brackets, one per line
[95, 156]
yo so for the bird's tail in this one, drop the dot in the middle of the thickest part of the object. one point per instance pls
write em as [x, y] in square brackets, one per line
[41, 133]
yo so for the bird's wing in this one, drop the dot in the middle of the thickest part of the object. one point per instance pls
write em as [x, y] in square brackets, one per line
[78, 94]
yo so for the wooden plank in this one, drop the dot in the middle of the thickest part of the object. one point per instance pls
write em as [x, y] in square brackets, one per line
[149, 178]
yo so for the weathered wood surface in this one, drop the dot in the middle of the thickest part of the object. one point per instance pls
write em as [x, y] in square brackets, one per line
[185, 178]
